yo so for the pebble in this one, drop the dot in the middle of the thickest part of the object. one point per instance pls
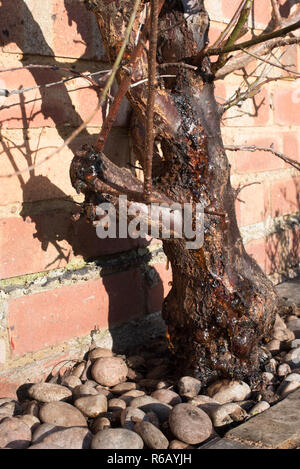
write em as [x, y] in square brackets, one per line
[227, 413]
[44, 446]
[273, 346]
[130, 395]
[91, 406]
[84, 390]
[100, 352]
[30, 420]
[286, 387]
[224, 391]
[48, 392]
[14, 434]
[271, 366]
[123, 387]
[71, 382]
[43, 430]
[293, 357]
[109, 371]
[293, 377]
[78, 370]
[267, 377]
[259, 408]
[151, 435]
[148, 403]
[116, 405]
[205, 403]
[130, 416]
[100, 423]
[176, 444]
[167, 396]
[283, 369]
[61, 414]
[190, 424]
[70, 438]
[188, 386]
[117, 438]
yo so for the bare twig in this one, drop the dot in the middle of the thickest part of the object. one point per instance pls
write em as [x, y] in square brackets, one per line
[229, 27]
[150, 99]
[254, 148]
[276, 13]
[282, 67]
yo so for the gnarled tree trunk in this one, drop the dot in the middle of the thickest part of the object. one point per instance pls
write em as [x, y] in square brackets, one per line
[221, 305]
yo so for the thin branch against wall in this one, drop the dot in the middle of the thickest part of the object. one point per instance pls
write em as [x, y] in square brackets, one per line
[101, 101]
[254, 148]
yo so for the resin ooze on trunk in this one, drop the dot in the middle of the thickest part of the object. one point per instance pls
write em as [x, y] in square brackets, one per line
[221, 306]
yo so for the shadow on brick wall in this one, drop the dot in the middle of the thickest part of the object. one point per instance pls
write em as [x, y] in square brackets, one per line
[54, 226]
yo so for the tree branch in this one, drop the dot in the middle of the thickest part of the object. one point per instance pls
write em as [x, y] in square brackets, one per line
[254, 148]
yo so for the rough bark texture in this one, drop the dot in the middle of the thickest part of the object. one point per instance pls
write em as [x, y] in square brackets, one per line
[221, 305]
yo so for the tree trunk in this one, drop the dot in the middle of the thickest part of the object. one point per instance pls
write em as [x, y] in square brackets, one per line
[221, 306]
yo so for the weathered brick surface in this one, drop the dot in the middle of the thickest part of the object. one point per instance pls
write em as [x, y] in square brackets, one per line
[285, 196]
[54, 316]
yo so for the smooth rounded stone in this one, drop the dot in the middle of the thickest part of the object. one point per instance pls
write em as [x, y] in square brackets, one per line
[188, 386]
[273, 346]
[227, 413]
[48, 392]
[259, 408]
[293, 343]
[30, 420]
[105, 392]
[5, 400]
[117, 438]
[283, 335]
[123, 387]
[190, 424]
[10, 405]
[135, 361]
[163, 384]
[116, 405]
[30, 408]
[224, 391]
[130, 416]
[62, 414]
[293, 357]
[5, 414]
[43, 430]
[267, 377]
[71, 382]
[78, 370]
[293, 324]
[205, 403]
[286, 387]
[87, 371]
[14, 433]
[100, 423]
[167, 396]
[109, 371]
[91, 406]
[151, 435]
[84, 390]
[279, 323]
[130, 395]
[283, 369]
[8, 408]
[176, 444]
[43, 445]
[271, 366]
[70, 438]
[293, 377]
[100, 352]
[152, 418]
[148, 403]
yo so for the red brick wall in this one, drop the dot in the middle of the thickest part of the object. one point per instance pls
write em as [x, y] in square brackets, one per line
[58, 280]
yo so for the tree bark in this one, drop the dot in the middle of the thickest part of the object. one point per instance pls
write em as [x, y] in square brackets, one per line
[221, 306]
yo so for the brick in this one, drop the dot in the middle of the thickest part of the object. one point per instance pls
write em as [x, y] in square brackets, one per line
[254, 207]
[247, 162]
[2, 350]
[276, 428]
[50, 240]
[291, 146]
[75, 30]
[253, 112]
[285, 196]
[257, 250]
[40, 107]
[51, 317]
[158, 288]
[262, 13]
[286, 106]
